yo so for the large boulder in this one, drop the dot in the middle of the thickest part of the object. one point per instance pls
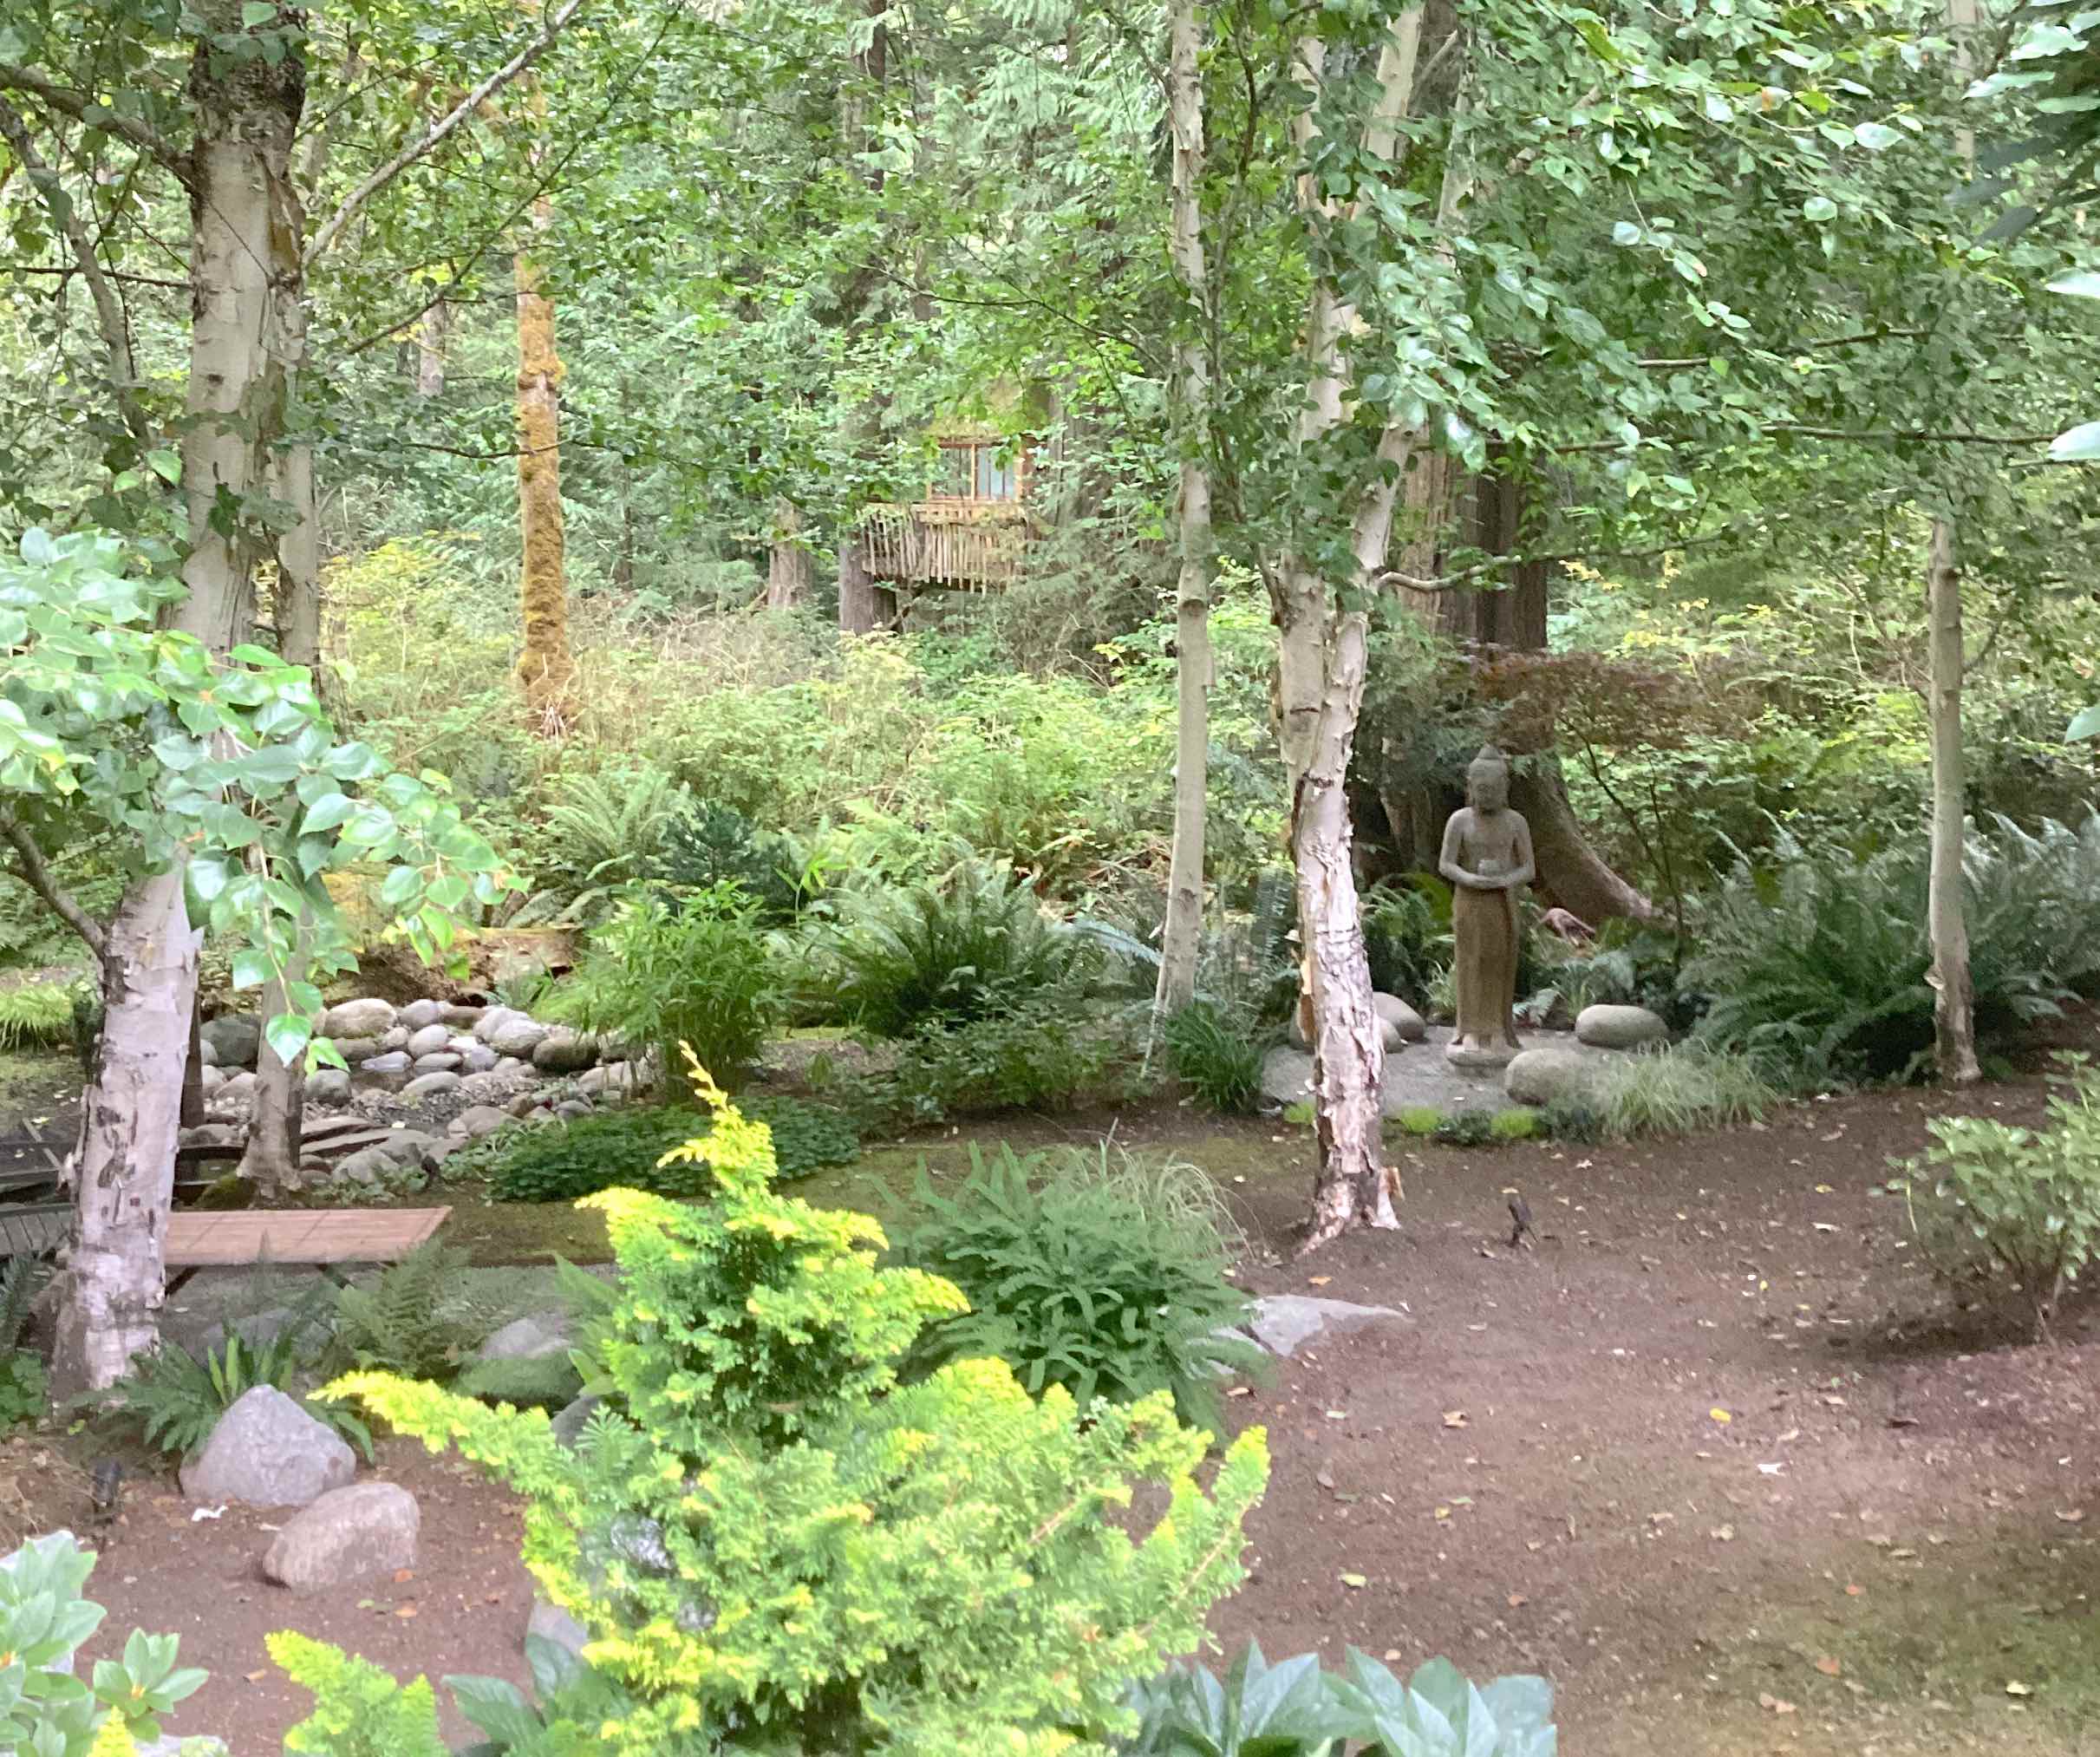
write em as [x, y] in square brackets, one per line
[477, 1058]
[367, 1018]
[1284, 1322]
[349, 1533]
[1546, 1076]
[356, 1049]
[1406, 1022]
[433, 1039]
[268, 1452]
[444, 1062]
[327, 1086]
[366, 1166]
[462, 1018]
[1620, 1028]
[518, 1035]
[234, 1038]
[565, 1052]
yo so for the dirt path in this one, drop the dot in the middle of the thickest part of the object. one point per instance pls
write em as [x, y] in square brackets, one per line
[1702, 1457]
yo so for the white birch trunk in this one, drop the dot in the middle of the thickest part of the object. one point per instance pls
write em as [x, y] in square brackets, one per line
[788, 570]
[430, 348]
[1954, 997]
[1182, 937]
[109, 1292]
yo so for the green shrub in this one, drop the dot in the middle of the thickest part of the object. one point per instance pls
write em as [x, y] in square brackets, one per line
[1103, 1273]
[659, 975]
[1823, 962]
[36, 1015]
[1043, 1054]
[1293, 1709]
[420, 1316]
[708, 844]
[936, 955]
[175, 1398]
[600, 833]
[44, 1621]
[1420, 1120]
[359, 1711]
[1683, 1089]
[1407, 935]
[1218, 1061]
[622, 1147]
[1993, 1203]
[1517, 1123]
[1466, 1128]
[22, 1385]
[763, 1528]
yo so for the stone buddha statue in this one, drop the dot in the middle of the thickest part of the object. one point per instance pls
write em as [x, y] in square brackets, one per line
[1487, 857]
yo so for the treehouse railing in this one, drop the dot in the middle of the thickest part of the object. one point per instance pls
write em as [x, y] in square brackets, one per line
[975, 545]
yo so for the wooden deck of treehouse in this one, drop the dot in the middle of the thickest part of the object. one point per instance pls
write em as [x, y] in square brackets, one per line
[975, 545]
[971, 533]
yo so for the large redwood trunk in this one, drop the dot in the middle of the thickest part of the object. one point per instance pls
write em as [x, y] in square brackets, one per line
[109, 1292]
[1571, 872]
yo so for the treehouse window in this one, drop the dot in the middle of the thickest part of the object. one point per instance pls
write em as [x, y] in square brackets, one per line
[978, 470]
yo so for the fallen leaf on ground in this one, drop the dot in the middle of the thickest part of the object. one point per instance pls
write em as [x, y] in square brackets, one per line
[1721, 1415]
[1517, 1599]
[2071, 1516]
[1444, 1512]
[1454, 1417]
[1856, 1592]
[1324, 1478]
[1352, 1580]
[1767, 1700]
[1829, 1667]
[404, 1610]
[1773, 1469]
[1318, 1280]
[2015, 1688]
[1726, 1534]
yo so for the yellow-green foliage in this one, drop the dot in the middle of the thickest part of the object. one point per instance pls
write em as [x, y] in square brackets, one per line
[358, 1710]
[762, 1528]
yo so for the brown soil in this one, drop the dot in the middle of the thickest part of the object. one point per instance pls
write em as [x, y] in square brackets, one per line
[1712, 1458]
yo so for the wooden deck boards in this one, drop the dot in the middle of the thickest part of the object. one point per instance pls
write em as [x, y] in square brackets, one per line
[308, 1236]
[299, 1235]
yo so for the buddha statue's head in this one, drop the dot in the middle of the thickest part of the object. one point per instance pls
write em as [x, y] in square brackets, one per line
[1486, 781]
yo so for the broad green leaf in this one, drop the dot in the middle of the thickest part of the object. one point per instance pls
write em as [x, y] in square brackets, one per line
[2085, 723]
[288, 1034]
[326, 812]
[252, 969]
[1819, 208]
[2084, 285]
[207, 877]
[1876, 137]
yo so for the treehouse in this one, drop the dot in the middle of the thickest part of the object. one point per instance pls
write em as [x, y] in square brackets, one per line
[970, 533]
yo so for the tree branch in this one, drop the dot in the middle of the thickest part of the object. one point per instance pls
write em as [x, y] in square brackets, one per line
[77, 105]
[433, 136]
[123, 370]
[29, 867]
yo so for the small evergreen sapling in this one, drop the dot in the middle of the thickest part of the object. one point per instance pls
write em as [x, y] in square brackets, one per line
[768, 1536]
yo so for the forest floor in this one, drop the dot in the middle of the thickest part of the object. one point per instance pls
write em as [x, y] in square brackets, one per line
[1717, 1457]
